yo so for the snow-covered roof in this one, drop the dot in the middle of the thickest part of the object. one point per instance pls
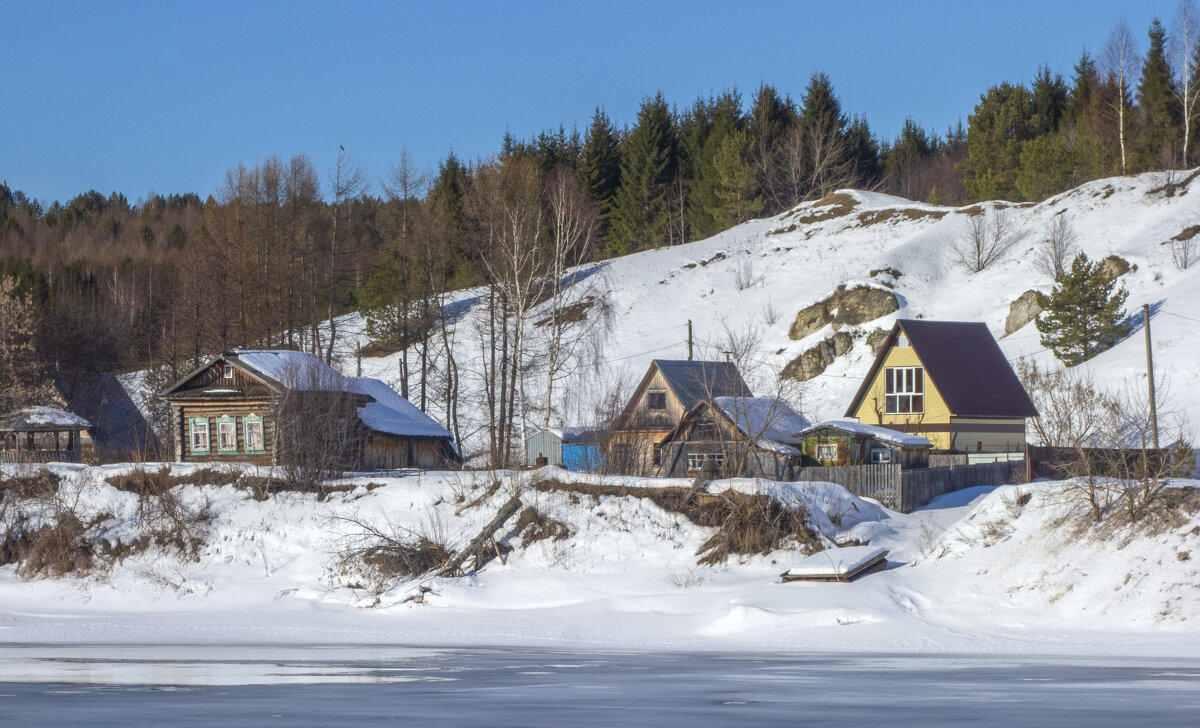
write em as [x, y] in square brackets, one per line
[774, 422]
[391, 413]
[296, 370]
[882, 434]
[42, 418]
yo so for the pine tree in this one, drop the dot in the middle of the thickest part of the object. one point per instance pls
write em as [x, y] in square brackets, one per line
[649, 163]
[1049, 102]
[1158, 105]
[1084, 313]
[1046, 167]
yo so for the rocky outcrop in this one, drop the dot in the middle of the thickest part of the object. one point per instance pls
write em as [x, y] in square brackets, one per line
[811, 320]
[861, 304]
[817, 359]
[844, 307]
[1023, 310]
[876, 339]
[1115, 266]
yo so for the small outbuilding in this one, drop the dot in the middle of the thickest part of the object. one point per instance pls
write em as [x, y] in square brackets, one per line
[579, 449]
[41, 435]
[844, 442]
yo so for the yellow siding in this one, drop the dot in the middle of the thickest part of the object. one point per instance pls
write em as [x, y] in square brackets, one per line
[870, 410]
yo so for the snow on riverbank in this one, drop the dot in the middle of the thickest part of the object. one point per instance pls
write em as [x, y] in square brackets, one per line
[971, 572]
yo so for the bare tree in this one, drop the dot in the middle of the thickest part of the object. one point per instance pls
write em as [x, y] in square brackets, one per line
[1120, 59]
[405, 186]
[1058, 247]
[983, 240]
[316, 425]
[1184, 248]
[22, 379]
[347, 182]
[578, 305]
[1184, 34]
[1071, 407]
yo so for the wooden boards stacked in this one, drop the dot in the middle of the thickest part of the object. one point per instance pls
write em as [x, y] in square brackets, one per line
[843, 564]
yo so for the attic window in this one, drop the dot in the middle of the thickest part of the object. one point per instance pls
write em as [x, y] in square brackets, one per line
[902, 341]
[904, 390]
[656, 401]
[229, 371]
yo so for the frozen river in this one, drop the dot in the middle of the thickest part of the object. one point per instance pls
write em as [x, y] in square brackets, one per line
[328, 686]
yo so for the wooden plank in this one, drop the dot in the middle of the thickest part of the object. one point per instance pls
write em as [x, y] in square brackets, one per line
[454, 565]
[879, 563]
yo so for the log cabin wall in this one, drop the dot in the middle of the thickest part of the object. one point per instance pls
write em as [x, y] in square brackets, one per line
[183, 413]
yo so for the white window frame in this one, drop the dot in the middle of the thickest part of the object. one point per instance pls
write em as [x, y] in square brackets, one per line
[697, 461]
[254, 433]
[881, 455]
[827, 451]
[197, 429]
[227, 425]
[228, 371]
[904, 390]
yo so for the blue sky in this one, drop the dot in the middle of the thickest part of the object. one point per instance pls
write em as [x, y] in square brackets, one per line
[165, 96]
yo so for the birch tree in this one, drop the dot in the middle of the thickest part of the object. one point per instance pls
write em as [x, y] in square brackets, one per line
[1120, 64]
[1183, 65]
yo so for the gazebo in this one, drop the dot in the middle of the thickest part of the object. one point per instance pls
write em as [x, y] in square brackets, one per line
[40, 435]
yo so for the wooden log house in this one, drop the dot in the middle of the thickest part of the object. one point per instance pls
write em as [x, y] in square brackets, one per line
[237, 406]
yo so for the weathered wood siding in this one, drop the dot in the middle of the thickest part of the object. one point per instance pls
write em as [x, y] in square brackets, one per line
[906, 490]
[387, 452]
[184, 412]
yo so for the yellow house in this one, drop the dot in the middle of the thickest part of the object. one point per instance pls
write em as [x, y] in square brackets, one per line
[949, 382]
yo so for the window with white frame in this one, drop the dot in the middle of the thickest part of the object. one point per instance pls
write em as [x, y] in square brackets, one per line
[904, 390]
[881, 455]
[198, 427]
[229, 371]
[252, 434]
[226, 435]
[827, 452]
[698, 461]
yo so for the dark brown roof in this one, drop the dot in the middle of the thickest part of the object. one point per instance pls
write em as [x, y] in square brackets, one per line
[966, 365]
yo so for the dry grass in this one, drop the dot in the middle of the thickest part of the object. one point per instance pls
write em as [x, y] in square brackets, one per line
[1187, 233]
[41, 484]
[745, 524]
[533, 526]
[834, 204]
[875, 217]
[1172, 187]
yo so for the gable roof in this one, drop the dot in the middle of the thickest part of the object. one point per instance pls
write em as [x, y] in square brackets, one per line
[766, 417]
[883, 434]
[693, 382]
[773, 423]
[966, 365]
[117, 423]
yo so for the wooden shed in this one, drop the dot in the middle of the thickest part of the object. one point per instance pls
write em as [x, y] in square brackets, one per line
[753, 437]
[579, 449]
[41, 435]
[843, 442]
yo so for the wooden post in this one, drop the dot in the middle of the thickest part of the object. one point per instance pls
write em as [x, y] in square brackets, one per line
[506, 512]
[689, 339]
[1150, 375]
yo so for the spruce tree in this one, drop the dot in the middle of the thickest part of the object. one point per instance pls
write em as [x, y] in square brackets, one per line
[707, 182]
[1000, 124]
[736, 190]
[823, 129]
[599, 170]
[1084, 313]
[1158, 105]
[1049, 102]
[649, 163]
[770, 119]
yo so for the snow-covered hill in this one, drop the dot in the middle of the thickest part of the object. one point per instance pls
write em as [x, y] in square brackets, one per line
[759, 275]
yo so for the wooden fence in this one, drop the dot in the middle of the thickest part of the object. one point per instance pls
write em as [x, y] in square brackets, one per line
[906, 490]
[39, 456]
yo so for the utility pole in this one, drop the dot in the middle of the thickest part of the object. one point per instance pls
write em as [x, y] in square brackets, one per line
[689, 339]
[1150, 375]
